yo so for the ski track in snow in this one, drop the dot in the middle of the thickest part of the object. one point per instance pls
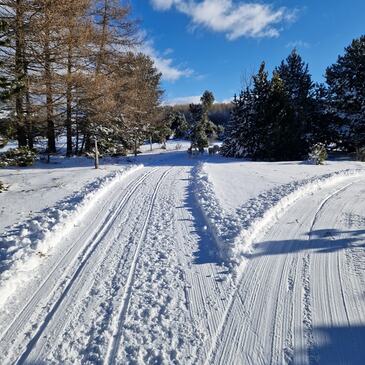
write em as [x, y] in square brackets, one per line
[138, 280]
[260, 307]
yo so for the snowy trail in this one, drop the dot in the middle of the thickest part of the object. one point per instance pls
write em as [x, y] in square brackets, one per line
[132, 283]
[67, 268]
[137, 282]
[300, 300]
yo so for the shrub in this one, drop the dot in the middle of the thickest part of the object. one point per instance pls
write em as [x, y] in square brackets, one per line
[22, 157]
[2, 187]
[318, 154]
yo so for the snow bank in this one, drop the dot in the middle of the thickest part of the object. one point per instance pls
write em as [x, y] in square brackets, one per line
[24, 246]
[235, 232]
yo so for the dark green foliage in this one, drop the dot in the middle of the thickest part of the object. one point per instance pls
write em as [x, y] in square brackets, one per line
[177, 122]
[272, 120]
[22, 157]
[299, 88]
[346, 89]
[203, 130]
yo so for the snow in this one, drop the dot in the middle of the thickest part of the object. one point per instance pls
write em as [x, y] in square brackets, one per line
[235, 181]
[234, 231]
[172, 259]
[24, 245]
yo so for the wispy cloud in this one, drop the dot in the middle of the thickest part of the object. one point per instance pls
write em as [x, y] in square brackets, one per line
[297, 44]
[195, 99]
[234, 19]
[166, 65]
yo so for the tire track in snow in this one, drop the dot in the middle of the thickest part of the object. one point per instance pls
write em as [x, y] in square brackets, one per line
[120, 317]
[48, 284]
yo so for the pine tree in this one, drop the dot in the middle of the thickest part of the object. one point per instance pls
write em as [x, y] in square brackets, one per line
[346, 82]
[281, 138]
[299, 87]
[258, 137]
[203, 129]
[177, 122]
[232, 136]
[240, 129]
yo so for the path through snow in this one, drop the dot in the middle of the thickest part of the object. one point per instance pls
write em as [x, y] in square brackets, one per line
[138, 281]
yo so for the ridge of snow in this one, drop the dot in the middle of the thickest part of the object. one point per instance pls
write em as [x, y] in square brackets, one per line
[235, 233]
[24, 245]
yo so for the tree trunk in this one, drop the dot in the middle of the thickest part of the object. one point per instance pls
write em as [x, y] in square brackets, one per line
[28, 121]
[69, 104]
[77, 137]
[19, 72]
[51, 136]
[87, 142]
[96, 154]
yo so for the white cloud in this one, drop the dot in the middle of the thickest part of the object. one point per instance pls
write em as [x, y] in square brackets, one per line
[195, 99]
[164, 64]
[298, 44]
[234, 19]
[163, 4]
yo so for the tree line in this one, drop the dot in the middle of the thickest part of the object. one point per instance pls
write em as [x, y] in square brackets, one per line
[72, 67]
[281, 117]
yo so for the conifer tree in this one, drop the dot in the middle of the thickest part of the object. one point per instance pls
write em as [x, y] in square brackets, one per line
[346, 88]
[299, 87]
[203, 129]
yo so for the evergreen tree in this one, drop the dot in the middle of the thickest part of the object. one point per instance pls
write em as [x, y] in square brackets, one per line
[299, 87]
[177, 122]
[281, 137]
[203, 129]
[325, 125]
[257, 140]
[346, 87]
[239, 128]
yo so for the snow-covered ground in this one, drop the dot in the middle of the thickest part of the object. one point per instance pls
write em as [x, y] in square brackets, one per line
[171, 259]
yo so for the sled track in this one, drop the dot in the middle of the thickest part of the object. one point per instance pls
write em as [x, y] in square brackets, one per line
[67, 279]
[120, 317]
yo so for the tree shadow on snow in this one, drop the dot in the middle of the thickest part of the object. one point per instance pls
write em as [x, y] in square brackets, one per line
[319, 241]
[337, 345]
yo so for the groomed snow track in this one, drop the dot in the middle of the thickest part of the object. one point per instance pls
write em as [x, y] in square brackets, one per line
[300, 298]
[136, 283]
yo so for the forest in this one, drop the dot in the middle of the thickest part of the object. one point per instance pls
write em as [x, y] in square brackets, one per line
[74, 69]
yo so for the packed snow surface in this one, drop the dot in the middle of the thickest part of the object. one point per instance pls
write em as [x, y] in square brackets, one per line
[171, 259]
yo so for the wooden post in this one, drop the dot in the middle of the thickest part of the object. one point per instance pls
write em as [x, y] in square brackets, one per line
[151, 142]
[96, 154]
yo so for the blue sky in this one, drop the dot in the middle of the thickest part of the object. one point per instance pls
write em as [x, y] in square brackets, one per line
[216, 44]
